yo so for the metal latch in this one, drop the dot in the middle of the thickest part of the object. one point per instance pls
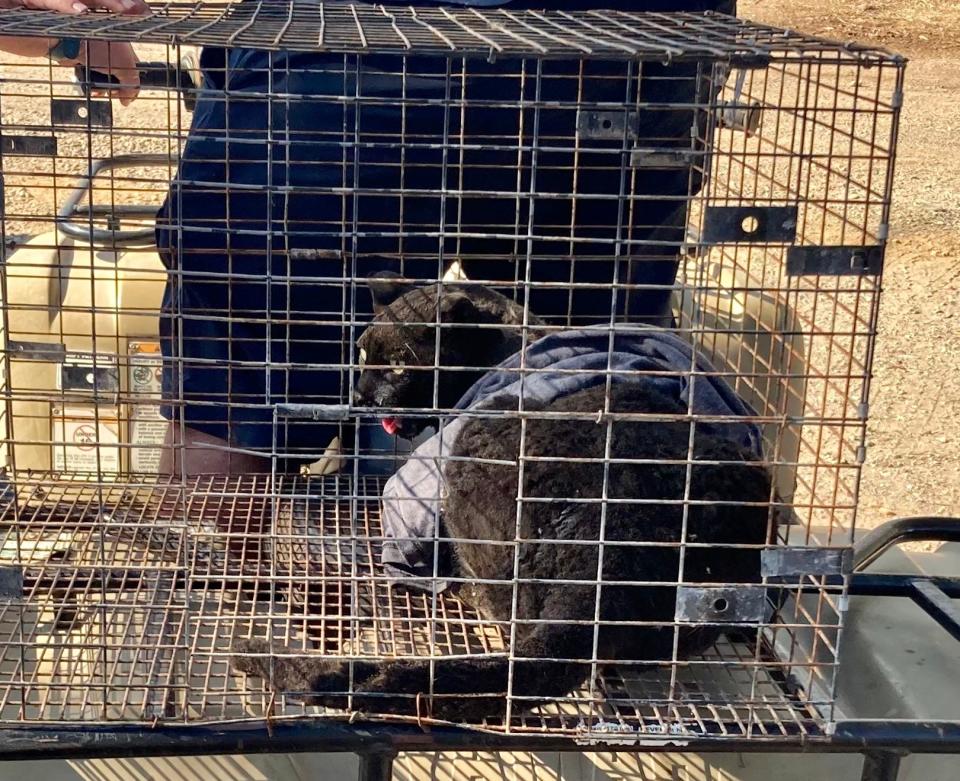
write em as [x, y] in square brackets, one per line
[610, 125]
[835, 261]
[721, 604]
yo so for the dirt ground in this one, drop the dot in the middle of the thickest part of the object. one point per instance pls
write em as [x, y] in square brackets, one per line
[913, 456]
[913, 460]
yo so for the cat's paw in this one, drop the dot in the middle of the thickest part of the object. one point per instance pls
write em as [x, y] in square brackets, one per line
[305, 677]
[251, 656]
[285, 669]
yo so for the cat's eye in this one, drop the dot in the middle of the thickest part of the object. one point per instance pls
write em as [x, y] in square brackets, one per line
[397, 366]
[363, 357]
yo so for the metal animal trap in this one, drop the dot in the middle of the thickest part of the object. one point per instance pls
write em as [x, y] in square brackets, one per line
[188, 460]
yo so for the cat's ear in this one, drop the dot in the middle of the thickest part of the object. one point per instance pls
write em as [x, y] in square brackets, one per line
[385, 288]
[458, 307]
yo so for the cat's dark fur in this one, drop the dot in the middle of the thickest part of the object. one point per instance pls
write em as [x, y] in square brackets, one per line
[727, 497]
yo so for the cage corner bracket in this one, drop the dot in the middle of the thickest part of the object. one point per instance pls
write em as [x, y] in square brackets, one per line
[750, 224]
[835, 261]
[721, 604]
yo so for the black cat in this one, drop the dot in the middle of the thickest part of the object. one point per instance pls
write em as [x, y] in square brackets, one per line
[718, 504]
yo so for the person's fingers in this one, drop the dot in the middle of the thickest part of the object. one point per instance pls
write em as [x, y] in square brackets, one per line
[120, 6]
[128, 94]
[60, 6]
[82, 6]
[125, 69]
[119, 61]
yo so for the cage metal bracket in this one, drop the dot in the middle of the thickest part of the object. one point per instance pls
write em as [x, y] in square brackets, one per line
[332, 412]
[608, 125]
[748, 224]
[665, 158]
[721, 604]
[37, 351]
[835, 261]
[30, 146]
[790, 562]
[86, 113]
[84, 377]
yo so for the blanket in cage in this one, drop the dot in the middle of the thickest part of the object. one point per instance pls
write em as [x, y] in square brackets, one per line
[554, 366]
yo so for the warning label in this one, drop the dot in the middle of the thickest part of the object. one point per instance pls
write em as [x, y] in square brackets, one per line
[146, 427]
[145, 369]
[84, 443]
[147, 430]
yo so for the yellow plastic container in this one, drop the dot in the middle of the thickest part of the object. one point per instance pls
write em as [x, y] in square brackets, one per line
[82, 306]
[755, 339]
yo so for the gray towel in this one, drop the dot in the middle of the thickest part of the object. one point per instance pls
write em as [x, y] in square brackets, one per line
[560, 364]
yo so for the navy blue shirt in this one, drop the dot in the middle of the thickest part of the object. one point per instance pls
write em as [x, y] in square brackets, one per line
[288, 185]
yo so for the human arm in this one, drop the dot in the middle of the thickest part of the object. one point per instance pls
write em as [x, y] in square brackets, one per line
[113, 58]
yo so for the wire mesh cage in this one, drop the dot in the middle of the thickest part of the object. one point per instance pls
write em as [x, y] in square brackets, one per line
[498, 367]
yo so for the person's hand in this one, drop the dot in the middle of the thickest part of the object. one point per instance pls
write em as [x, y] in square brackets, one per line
[109, 58]
[117, 60]
[80, 7]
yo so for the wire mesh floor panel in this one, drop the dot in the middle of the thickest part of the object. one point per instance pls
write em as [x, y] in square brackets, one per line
[123, 603]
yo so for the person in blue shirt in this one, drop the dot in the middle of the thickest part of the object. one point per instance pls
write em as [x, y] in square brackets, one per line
[294, 185]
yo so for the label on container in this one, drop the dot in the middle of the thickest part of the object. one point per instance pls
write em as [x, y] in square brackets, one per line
[146, 427]
[86, 442]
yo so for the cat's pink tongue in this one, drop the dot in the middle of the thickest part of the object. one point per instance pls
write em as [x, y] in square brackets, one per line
[390, 425]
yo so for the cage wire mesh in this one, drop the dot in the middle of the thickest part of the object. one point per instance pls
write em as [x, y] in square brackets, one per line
[658, 546]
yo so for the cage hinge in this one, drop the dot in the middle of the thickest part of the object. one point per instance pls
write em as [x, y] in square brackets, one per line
[37, 351]
[721, 604]
[665, 158]
[313, 411]
[88, 113]
[611, 125]
[795, 562]
[743, 117]
[896, 100]
[863, 410]
[739, 114]
[11, 583]
[835, 261]
[32, 146]
[747, 224]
